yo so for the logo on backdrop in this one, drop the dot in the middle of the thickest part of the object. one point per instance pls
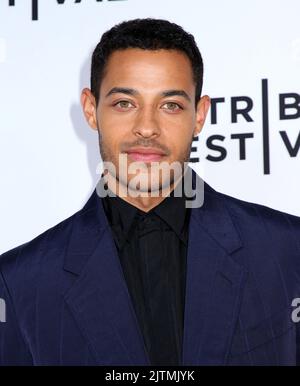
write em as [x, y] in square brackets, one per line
[35, 5]
[240, 109]
[289, 109]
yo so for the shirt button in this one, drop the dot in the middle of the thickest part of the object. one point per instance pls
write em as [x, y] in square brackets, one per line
[148, 220]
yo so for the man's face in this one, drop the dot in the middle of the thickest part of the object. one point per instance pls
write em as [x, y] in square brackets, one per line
[146, 103]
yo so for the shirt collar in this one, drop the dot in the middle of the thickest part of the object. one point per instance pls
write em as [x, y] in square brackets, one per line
[122, 215]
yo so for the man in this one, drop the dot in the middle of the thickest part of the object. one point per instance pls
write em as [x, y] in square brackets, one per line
[145, 279]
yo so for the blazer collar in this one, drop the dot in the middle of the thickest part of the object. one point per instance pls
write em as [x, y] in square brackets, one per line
[90, 222]
[101, 304]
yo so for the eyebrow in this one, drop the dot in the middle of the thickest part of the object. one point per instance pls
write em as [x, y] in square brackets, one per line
[131, 91]
[182, 93]
[122, 90]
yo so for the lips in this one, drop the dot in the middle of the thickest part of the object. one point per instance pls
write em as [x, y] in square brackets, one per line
[145, 154]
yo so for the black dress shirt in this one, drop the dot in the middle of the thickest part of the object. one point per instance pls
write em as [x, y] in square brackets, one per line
[152, 248]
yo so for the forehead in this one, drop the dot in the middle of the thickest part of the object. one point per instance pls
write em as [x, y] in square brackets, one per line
[148, 68]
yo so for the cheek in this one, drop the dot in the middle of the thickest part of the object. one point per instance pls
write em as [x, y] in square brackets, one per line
[113, 126]
[109, 117]
[180, 125]
[179, 138]
[112, 143]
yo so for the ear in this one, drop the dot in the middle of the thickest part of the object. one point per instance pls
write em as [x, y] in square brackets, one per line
[89, 107]
[201, 112]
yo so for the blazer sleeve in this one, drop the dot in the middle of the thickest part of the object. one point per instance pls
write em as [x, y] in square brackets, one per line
[13, 350]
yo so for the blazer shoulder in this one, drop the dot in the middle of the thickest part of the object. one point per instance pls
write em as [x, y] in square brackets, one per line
[249, 212]
[262, 210]
[29, 252]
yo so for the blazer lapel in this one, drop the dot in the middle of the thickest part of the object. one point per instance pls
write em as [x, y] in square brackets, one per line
[99, 299]
[214, 282]
[101, 304]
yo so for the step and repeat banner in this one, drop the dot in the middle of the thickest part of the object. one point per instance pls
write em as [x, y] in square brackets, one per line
[249, 147]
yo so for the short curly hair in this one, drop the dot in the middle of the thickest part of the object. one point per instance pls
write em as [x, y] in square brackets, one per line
[147, 34]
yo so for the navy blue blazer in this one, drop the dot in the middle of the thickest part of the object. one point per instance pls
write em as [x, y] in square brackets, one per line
[67, 301]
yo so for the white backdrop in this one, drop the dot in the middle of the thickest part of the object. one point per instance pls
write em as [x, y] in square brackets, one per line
[48, 154]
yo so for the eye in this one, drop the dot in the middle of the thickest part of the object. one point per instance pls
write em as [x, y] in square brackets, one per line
[123, 104]
[172, 106]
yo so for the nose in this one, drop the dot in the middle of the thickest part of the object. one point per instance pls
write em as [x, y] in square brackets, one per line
[146, 124]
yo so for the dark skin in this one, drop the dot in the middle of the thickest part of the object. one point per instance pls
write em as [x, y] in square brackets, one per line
[147, 98]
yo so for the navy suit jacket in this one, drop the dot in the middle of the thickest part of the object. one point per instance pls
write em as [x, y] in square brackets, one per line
[67, 302]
